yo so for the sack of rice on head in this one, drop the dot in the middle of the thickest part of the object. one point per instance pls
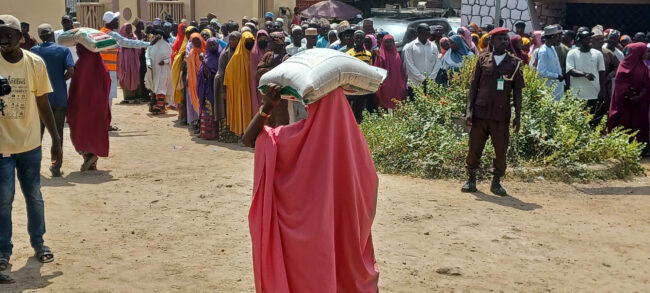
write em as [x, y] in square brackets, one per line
[312, 74]
[90, 38]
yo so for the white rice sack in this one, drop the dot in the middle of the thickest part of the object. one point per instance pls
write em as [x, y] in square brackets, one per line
[312, 74]
[92, 39]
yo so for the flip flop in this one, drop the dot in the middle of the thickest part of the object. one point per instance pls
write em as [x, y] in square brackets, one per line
[44, 254]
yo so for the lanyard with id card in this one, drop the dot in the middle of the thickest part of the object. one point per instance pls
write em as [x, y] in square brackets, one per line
[501, 84]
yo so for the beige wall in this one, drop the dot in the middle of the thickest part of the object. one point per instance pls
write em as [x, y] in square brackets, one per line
[227, 9]
[35, 12]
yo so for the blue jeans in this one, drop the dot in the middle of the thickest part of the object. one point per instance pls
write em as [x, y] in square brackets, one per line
[28, 166]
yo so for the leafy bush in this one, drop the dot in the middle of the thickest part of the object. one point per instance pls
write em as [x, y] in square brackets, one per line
[427, 137]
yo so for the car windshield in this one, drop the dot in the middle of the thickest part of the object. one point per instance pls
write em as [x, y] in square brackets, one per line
[396, 29]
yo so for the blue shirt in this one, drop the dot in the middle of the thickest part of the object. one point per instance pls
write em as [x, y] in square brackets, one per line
[57, 59]
[322, 42]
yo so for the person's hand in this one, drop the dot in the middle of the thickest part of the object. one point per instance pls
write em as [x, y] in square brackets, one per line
[590, 77]
[561, 78]
[516, 123]
[56, 154]
[161, 63]
[468, 119]
[201, 57]
[272, 96]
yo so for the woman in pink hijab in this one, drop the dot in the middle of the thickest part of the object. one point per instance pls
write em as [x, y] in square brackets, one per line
[128, 66]
[259, 49]
[535, 42]
[312, 235]
[467, 37]
[394, 87]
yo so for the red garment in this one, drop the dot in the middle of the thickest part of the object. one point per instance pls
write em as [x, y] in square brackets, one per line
[256, 56]
[632, 74]
[315, 195]
[180, 37]
[394, 87]
[518, 53]
[89, 115]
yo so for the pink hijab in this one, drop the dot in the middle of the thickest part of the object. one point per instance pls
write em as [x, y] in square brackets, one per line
[256, 57]
[128, 63]
[314, 235]
[394, 87]
[467, 37]
[536, 41]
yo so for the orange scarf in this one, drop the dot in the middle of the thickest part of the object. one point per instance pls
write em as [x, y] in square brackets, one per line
[193, 65]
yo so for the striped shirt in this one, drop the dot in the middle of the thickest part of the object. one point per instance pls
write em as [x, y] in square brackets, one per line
[364, 55]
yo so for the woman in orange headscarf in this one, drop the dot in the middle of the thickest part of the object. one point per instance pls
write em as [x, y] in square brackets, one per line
[193, 65]
[237, 81]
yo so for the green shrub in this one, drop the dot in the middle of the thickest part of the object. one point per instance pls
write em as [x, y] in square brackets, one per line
[427, 137]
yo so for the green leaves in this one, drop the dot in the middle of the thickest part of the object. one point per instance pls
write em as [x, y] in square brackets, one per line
[426, 137]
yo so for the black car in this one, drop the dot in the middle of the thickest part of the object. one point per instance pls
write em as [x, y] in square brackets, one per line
[398, 27]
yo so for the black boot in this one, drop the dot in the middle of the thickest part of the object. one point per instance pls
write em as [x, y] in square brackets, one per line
[496, 187]
[470, 186]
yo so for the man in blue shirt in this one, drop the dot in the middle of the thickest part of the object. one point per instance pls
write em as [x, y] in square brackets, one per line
[60, 68]
[548, 62]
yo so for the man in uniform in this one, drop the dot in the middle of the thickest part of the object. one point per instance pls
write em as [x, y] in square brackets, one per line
[496, 76]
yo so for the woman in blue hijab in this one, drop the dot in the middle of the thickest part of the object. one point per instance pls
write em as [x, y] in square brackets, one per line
[453, 58]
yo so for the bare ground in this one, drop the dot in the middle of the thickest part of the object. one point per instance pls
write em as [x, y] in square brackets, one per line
[167, 212]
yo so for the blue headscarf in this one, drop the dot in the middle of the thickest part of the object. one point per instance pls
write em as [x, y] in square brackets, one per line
[461, 49]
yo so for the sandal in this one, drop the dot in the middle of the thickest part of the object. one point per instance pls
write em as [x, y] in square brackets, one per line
[88, 162]
[4, 262]
[5, 279]
[44, 254]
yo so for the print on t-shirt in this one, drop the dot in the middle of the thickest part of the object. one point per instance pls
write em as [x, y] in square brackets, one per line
[16, 102]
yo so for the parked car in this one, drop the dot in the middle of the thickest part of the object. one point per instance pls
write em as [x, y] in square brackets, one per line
[398, 27]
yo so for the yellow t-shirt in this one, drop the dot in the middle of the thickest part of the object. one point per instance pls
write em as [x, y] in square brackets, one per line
[20, 126]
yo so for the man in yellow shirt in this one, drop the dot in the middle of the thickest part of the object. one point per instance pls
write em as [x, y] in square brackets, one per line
[20, 139]
[359, 103]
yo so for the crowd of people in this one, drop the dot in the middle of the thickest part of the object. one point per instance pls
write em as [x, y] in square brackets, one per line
[209, 73]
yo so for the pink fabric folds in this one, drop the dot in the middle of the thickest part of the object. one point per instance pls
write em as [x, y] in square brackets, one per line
[256, 56]
[314, 201]
[394, 87]
[128, 63]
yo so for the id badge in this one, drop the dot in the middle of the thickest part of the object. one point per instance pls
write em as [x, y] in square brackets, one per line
[501, 83]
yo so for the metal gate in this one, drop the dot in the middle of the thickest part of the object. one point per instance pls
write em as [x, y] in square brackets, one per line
[160, 9]
[90, 14]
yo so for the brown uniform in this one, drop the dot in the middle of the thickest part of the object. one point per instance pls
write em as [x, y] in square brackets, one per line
[490, 108]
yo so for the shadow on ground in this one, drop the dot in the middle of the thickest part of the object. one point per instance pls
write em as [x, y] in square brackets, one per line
[29, 277]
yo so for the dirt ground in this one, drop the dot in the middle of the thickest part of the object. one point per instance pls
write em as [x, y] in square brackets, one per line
[167, 212]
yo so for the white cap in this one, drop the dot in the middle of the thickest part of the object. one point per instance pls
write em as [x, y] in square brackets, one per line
[109, 16]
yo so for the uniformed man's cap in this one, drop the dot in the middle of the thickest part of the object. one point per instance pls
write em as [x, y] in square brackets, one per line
[499, 31]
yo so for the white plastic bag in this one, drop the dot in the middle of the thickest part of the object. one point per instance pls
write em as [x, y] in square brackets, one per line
[90, 38]
[312, 74]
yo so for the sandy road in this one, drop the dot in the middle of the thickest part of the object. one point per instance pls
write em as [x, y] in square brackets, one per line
[167, 212]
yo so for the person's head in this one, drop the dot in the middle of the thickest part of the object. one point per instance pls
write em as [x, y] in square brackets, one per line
[297, 35]
[423, 31]
[489, 27]
[332, 37]
[233, 40]
[277, 42]
[367, 42]
[324, 28]
[638, 37]
[139, 25]
[475, 39]
[499, 40]
[437, 31]
[262, 40]
[244, 20]
[212, 45]
[276, 27]
[162, 34]
[203, 22]
[194, 23]
[552, 35]
[445, 43]
[296, 10]
[567, 38]
[525, 44]
[520, 28]
[583, 40]
[167, 28]
[206, 34]
[516, 42]
[10, 34]
[625, 40]
[214, 25]
[388, 43]
[268, 16]
[24, 28]
[197, 42]
[67, 23]
[268, 25]
[311, 34]
[46, 32]
[612, 39]
[190, 30]
[128, 29]
[112, 19]
[359, 39]
[368, 26]
[255, 21]
[169, 18]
